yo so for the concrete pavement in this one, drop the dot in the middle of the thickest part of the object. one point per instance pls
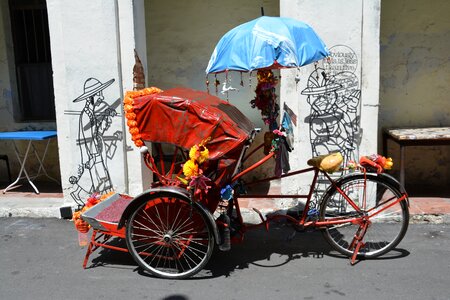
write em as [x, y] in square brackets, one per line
[41, 259]
[23, 202]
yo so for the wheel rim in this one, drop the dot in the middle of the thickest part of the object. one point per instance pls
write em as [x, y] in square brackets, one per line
[386, 228]
[169, 238]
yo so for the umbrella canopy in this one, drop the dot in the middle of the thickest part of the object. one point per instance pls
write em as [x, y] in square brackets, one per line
[267, 42]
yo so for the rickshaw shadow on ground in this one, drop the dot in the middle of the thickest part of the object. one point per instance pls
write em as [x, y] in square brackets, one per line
[111, 258]
[395, 253]
[275, 248]
[279, 246]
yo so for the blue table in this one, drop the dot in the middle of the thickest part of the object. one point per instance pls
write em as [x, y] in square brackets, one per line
[29, 136]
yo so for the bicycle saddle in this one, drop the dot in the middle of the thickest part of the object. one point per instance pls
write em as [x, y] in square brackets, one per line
[328, 162]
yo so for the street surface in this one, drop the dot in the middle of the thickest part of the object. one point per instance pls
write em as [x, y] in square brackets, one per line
[41, 259]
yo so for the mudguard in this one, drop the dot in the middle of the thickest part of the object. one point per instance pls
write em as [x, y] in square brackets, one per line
[166, 191]
[386, 177]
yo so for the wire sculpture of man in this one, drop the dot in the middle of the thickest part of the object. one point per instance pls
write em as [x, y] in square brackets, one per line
[331, 127]
[95, 119]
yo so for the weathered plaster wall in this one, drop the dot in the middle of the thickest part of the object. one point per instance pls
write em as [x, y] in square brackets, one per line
[181, 35]
[9, 105]
[6, 107]
[415, 77]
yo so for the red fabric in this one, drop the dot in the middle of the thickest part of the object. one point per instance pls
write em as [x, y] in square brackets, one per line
[185, 117]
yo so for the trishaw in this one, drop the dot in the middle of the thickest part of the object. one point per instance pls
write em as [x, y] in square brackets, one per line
[172, 228]
[196, 145]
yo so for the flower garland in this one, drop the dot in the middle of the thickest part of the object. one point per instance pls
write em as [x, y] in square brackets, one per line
[80, 224]
[265, 99]
[198, 154]
[277, 139]
[194, 178]
[128, 107]
[376, 162]
[372, 163]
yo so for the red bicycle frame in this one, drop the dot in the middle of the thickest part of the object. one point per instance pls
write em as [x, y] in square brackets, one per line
[303, 221]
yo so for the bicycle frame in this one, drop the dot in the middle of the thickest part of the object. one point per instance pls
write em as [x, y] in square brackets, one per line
[303, 222]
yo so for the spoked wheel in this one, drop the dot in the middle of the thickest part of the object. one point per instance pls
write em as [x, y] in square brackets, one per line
[385, 230]
[169, 237]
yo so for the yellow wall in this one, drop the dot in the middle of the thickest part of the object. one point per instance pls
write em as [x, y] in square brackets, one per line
[414, 81]
[181, 36]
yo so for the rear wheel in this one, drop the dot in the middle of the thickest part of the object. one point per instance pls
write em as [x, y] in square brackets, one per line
[386, 229]
[169, 237]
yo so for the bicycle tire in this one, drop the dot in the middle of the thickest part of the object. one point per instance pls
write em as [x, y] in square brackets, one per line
[169, 237]
[386, 229]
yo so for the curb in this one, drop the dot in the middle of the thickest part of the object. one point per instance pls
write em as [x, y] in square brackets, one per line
[429, 218]
[57, 208]
[30, 212]
[45, 207]
[251, 217]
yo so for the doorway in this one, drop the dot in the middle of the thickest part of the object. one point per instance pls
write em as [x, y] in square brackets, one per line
[32, 57]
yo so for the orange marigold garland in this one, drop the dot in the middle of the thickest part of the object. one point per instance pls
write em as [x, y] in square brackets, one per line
[371, 163]
[80, 224]
[131, 116]
[376, 162]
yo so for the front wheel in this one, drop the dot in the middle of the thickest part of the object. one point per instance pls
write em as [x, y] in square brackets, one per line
[370, 193]
[170, 237]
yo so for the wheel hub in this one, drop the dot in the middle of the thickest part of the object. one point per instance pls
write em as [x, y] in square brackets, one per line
[167, 238]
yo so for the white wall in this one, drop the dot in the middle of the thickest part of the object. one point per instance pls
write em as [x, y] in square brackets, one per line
[88, 42]
[132, 37]
[350, 29]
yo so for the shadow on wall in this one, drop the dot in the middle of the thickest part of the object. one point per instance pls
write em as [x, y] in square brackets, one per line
[427, 168]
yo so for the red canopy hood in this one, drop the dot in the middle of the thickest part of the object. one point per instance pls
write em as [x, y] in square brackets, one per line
[185, 117]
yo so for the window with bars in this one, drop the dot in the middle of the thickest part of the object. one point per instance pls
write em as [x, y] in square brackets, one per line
[31, 39]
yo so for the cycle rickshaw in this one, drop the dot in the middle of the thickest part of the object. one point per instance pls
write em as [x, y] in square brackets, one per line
[171, 231]
[196, 145]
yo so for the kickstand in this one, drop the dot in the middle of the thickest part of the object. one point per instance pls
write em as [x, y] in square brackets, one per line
[357, 241]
